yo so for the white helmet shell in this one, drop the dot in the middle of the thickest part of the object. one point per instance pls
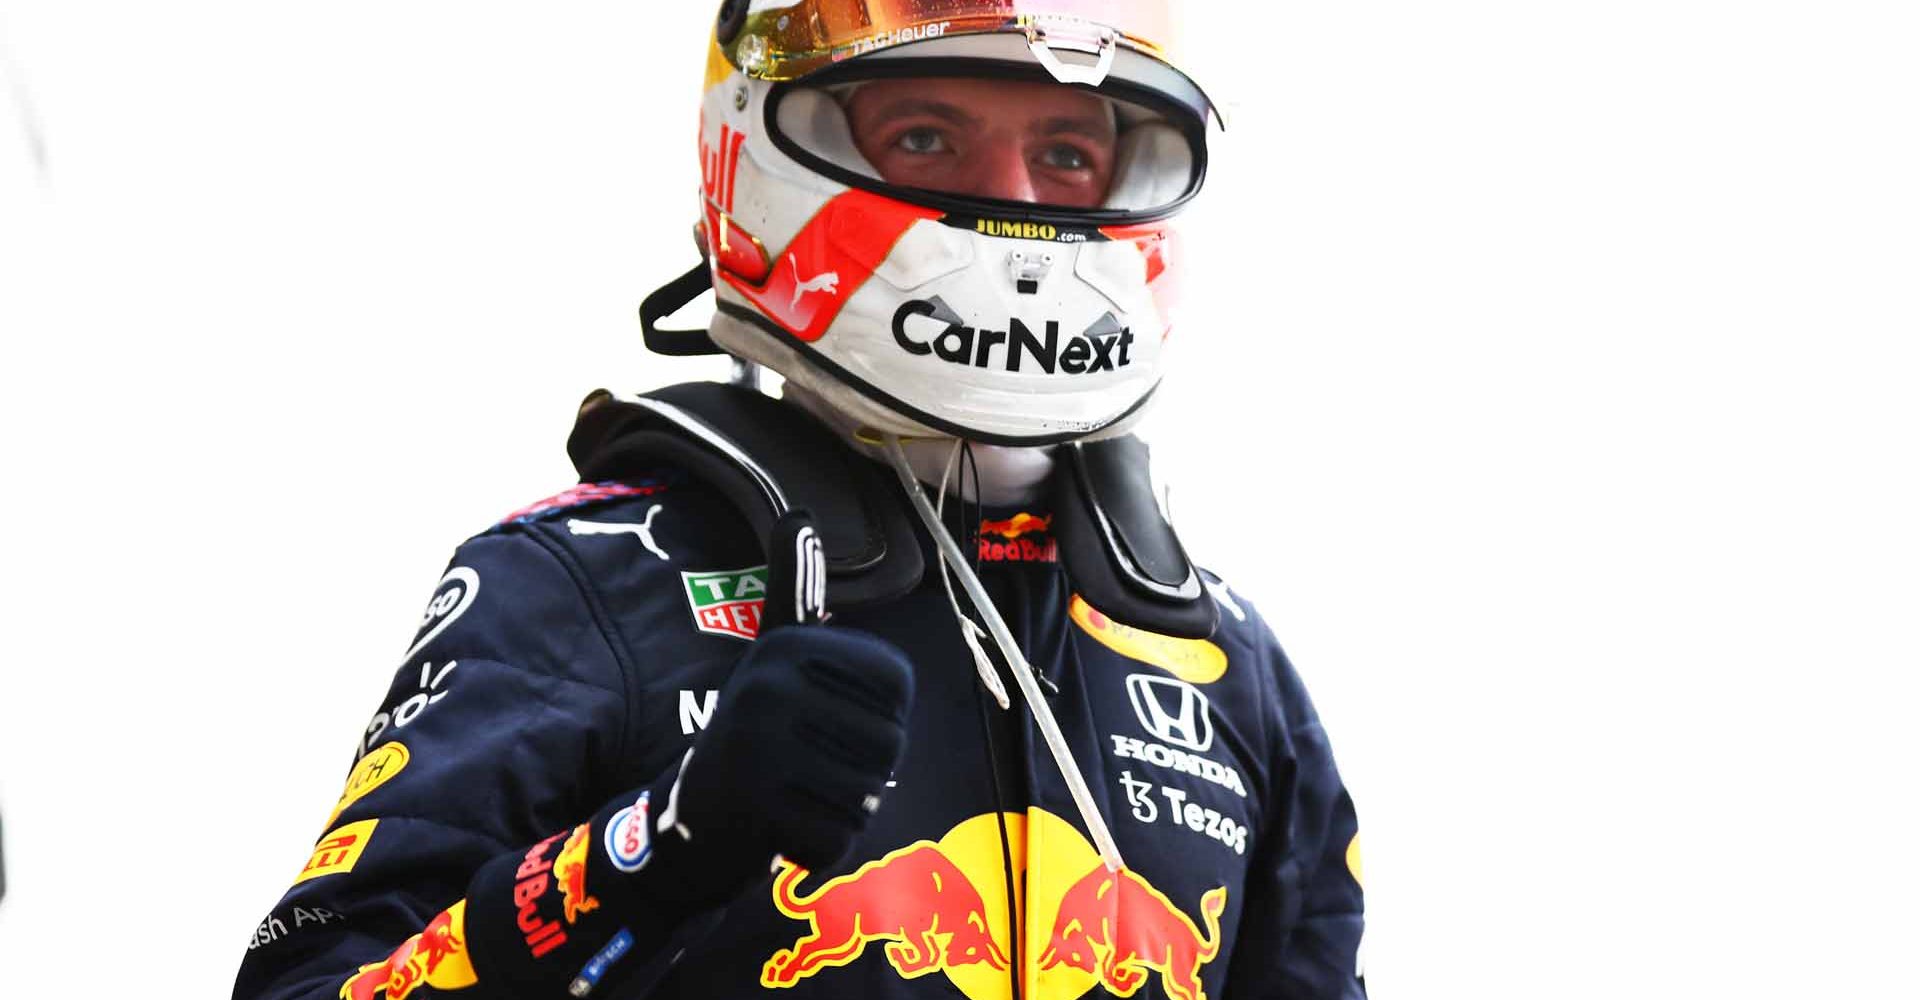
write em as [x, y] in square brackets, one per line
[926, 315]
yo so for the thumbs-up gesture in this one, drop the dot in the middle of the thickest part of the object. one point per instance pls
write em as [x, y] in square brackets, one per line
[806, 732]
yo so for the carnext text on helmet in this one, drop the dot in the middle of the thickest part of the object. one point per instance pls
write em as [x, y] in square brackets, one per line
[964, 345]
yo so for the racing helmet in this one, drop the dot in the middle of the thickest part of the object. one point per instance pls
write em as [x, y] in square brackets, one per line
[922, 312]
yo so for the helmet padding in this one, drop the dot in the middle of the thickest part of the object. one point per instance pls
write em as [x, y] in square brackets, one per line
[1153, 165]
[818, 122]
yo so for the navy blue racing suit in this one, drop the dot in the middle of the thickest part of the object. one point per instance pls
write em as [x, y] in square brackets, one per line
[571, 655]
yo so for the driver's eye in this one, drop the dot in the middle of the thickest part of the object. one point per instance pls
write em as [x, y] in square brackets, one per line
[922, 141]
[1064, 157]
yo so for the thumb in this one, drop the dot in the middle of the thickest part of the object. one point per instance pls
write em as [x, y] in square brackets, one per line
[796, 574]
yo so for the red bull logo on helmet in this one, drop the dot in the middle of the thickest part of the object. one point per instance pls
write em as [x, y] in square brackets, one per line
[942, 906]
[436, 957]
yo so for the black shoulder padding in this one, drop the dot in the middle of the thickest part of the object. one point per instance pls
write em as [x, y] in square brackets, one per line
[1119, 552]
[767, 458]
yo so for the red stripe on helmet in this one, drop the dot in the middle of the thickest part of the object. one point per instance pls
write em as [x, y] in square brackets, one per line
[1157, 242]
[831, 259]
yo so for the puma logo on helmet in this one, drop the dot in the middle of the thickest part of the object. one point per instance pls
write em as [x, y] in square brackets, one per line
[828, 282]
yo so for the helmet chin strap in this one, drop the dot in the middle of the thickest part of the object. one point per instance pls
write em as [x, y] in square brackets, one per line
[1023, 673]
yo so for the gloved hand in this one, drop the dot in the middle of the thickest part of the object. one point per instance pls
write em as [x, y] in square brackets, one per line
[804, 738]
[794, 761]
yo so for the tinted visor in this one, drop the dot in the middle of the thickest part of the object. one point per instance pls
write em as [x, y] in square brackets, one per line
[790, 39]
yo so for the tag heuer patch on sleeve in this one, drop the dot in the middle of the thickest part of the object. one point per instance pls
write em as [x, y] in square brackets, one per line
[727, 602]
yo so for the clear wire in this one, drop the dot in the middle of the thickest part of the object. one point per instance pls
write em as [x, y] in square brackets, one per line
[1024, 675]
[969, 630]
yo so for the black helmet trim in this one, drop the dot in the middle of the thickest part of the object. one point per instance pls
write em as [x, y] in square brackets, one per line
[1189, 117]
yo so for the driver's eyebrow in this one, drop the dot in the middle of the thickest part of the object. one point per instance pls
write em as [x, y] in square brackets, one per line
[1098, 127]
[908, 107]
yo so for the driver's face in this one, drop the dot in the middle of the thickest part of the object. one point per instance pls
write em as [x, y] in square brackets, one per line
[1014, 140]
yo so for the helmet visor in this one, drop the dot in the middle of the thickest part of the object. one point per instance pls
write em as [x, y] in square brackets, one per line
[789, 39]
[994, 145]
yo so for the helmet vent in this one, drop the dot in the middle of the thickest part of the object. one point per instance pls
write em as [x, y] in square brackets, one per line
[1029, 270]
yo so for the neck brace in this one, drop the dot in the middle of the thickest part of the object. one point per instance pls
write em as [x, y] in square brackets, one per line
[1118, 551]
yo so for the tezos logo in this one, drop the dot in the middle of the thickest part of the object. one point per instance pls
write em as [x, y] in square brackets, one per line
[1106, 347]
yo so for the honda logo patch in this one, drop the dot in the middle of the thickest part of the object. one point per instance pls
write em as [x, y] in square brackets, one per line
[1172, 710]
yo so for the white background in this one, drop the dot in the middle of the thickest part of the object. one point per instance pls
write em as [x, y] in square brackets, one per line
[1549, 382]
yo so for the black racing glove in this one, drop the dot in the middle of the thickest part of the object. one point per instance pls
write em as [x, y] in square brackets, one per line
[804, 738]
[802, 742]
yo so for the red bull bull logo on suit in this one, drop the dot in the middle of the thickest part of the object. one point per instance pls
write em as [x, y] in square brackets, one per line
[1019, 524]
[1118, 925]
[941, 906]
[570, 871]
[436, 957]
[915, 898]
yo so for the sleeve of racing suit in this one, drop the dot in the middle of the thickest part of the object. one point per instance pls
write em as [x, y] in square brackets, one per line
[455, 863]
[1300, 934]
